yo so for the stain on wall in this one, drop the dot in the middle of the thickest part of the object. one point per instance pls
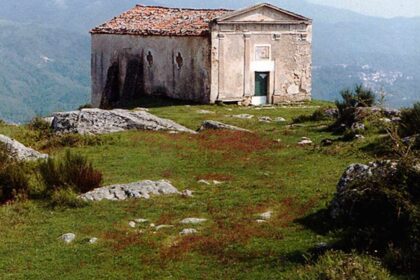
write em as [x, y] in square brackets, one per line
[127, 67]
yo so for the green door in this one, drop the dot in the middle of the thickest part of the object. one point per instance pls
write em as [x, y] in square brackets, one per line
[261, 83]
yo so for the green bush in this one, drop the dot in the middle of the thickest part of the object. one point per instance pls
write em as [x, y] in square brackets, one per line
[66, 197]
[410, 121]
[360, 97]
[73, 171]
[14, 181]
[335, 265]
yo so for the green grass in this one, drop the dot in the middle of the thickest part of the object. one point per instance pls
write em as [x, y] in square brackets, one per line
[259, 174]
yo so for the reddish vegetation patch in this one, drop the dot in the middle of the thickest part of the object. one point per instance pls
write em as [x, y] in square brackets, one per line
[221, 243]
[235, 141]
[292, 209]
[230, 230]
[122, 240]
[165, 219]
[167, 173]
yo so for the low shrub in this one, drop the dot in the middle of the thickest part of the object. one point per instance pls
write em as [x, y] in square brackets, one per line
[318, 115]
[335, 265]
[71, 171]
[40, 125]
[410, 121]
[351, 100]
[66, 197]
[14, 181]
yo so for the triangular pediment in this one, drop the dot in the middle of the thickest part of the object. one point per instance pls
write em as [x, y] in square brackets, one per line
[262, 13]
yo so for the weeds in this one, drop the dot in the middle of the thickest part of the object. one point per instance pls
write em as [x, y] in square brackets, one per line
[339, 266]
[14, 180]
[72, 171]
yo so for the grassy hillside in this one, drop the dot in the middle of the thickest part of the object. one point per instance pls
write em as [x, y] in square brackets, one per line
[262, 171]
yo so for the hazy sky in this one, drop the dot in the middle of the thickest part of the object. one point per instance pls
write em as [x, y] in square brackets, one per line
[381, 8]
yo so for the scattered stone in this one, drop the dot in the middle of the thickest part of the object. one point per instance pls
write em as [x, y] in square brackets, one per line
[19, 151]
[141, 109]
[141, 221]
[265, 119]
[295, 125]
[327, 142]
[390, 113]
[321, 248]
[279, 119]
[266, 216]
[188, 231]
[220, 126]
[141, 189]
[364, 112]
[152, 225]
[264, 107]
[193, 221]
[205, 182]
[163, 227]
[187, 193]
[132, 224]
[243, 116]
[205, 112]
[68, 237]
[331, 113]
[385, 120]
[261, 221]
[208, 183]
[93, 240]
[97, 121]
[305, 141]
[357, 127]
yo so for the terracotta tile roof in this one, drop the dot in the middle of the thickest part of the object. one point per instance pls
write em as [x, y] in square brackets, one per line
[154, 20]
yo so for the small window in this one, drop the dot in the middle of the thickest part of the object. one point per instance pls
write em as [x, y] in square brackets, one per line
[179, 60]
[149, 58]
[262, 52]
[303, 37]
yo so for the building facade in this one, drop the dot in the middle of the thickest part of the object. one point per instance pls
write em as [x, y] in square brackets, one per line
[258, 55]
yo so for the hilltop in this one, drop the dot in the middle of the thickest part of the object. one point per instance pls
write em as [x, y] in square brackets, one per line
[237, 178]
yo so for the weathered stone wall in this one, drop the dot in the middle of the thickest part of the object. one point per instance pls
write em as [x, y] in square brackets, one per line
[234, 60]
[125, 67]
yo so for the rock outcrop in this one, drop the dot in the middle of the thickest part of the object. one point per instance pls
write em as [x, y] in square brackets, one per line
[97, 121]
[358, 173]
[19, 151]
[143, 189]
[215, 125]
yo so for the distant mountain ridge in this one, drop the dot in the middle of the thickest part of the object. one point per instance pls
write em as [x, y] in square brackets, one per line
[45, 51]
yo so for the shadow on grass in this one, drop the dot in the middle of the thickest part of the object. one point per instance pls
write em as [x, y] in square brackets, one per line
[147, 101]
[381, 147]
[319, 222]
